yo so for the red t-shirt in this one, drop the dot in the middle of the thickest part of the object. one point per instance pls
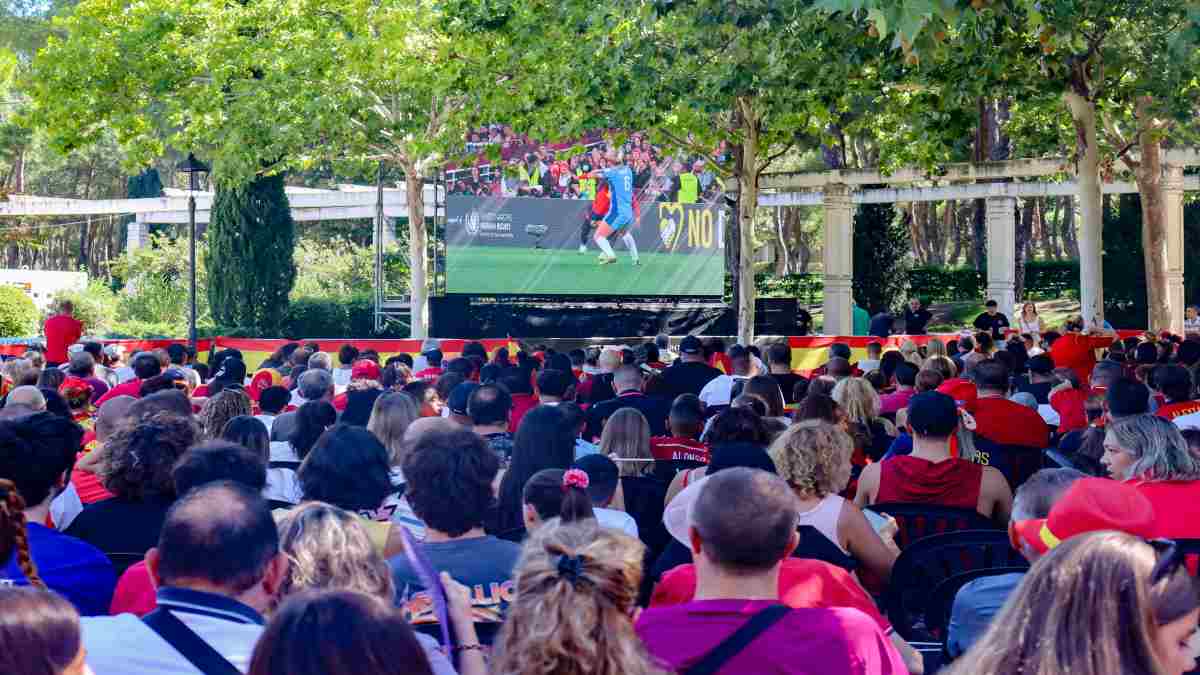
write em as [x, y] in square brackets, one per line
[600, 202]
[1069, 404]
[521, 404]
[1078, 352]
[135, 592]
[87, 484]
[1001, 421]
[1176, 507]
[430, 373]
[802, 583]
[913, 480]
[62, 331]
[131, 388]
[679, 448]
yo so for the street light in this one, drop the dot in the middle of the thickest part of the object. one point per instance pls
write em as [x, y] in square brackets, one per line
[193, 168]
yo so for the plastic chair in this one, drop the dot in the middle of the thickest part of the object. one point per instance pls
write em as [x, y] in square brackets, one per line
[941, 604]
[917, 521]
[1016, 462]
[932, 560]
[644, 500]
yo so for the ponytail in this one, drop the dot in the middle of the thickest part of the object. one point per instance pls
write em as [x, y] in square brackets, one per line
[576, 504]
[555, 493]
[13, 536]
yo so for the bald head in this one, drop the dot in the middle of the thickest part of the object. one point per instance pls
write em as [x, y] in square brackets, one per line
[627, 378]
[745, 520]
[114, 411]
[27, 396]
[424, 426]
[220, 534]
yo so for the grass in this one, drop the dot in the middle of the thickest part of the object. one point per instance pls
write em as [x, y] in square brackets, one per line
[494, 269]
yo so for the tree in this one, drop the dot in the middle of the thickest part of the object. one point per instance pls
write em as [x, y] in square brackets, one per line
[758, 76]
[251, 239]
[881, 252]
[18, 316]
[1107, 61]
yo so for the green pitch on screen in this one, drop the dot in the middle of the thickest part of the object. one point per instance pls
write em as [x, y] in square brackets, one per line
[485, 269]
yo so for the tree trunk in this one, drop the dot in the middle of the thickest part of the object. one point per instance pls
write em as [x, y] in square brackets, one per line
[418, 244]
[1149, 177]
[957, 233]
[914, 217]
[1087, 170]
[747, 204]
[1022, 236]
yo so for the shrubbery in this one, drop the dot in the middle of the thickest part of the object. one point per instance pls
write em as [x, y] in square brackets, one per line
[18, 315]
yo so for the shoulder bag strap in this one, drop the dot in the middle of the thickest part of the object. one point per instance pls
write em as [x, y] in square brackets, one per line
[741, 638]
[198, 652]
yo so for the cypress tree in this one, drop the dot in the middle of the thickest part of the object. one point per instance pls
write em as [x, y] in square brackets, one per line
[881, 258]
[251, 240]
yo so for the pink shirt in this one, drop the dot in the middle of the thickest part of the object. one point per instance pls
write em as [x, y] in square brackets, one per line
[824, 641]
[896, 401]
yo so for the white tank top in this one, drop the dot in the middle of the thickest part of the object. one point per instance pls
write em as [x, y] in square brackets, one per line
[824, 518]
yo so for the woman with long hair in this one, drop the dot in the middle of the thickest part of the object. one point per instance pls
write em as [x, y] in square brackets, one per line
[221, 408]
[766, 388]
[544, 441]
[814, 458]
[860, 403]
[1098, 604]
[312, 419]
[576, 588]
[14, 538]
[248, 432]
[626, 439]
[39, 634]
[934, 348]
[393, 413]
[1028, 321]
[1150, 453]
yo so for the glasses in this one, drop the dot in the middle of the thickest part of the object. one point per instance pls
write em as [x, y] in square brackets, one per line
[1169, 559]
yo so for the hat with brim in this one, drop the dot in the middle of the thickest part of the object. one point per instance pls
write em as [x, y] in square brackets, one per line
[677, 517]
[1090, 505]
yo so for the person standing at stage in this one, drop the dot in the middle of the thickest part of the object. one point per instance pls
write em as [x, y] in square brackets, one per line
[916, 317]
[620, 209]
[992, 320]
[62, 330]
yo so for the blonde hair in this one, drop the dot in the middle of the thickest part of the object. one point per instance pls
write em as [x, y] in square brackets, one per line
[559, 625]
[813, 456]
[934, 348]
[218, 410]
[911, 352]
[627, 435]
[609, 359]
[858, 399]
[1092, 585]
[943, 365]
[329, 549]
[391, 416]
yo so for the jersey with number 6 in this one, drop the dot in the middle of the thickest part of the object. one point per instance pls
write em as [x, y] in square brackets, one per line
[620, 181]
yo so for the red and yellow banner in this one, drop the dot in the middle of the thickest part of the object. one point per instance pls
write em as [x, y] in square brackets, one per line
[255, 351]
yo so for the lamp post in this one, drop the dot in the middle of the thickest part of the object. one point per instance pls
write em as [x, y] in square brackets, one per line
[193, 168]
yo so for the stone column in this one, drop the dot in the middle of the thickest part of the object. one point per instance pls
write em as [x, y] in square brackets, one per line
[1002, 252]
[137, 234]
[1173, 202]
[839, 260]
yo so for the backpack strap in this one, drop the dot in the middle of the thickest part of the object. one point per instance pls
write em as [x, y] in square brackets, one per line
[741, 638]
[185, 641]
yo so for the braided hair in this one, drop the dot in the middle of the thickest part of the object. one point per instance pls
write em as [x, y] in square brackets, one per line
[13, 536]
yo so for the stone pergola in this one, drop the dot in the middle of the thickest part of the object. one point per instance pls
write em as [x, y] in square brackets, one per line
[839, 191]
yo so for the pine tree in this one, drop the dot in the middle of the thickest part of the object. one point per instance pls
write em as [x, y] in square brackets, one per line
[251, 240]
[881, 258]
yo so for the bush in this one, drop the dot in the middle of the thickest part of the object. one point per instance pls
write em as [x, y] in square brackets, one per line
[18, 315]
[1044, 280]
[334, 318]
[95, 306]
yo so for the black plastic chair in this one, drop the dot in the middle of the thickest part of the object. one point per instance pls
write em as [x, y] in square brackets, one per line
[932, 560]
[937, 612]
[1016, 462]
[123, 561]
[917, 521]
[644, 500]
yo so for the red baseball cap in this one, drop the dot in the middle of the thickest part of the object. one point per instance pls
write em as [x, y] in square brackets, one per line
[366, 370]
[962, 391]
[1090, 505]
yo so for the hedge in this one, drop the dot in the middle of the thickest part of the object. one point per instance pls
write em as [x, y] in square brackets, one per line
[1044, 280]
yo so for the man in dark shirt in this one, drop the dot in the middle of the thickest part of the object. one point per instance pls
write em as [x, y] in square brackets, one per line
[881, 325]
[779, 363]
[690, 372]
[449, 477]
[992, 320]
[1040, 380]
[627, 380]
[916, 317]
[803, 322]
[489, 408]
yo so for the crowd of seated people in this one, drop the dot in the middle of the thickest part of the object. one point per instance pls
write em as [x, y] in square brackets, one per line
[651, 508]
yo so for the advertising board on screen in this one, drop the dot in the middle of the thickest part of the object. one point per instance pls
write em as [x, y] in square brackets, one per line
[532, 246]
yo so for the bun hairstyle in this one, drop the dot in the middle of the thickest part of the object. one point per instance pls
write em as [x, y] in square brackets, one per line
[555, 493]
[13, 536]
[575, 589]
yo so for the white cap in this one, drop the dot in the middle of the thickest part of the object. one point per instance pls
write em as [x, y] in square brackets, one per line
[678, 515]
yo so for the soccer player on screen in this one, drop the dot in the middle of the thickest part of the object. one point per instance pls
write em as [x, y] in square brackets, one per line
[597, 212]
[620, 209]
